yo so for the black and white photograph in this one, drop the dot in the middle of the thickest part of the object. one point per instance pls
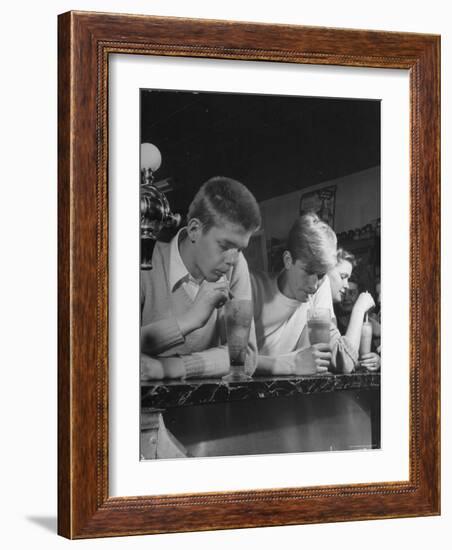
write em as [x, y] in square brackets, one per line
[259, 274]
[215, 194]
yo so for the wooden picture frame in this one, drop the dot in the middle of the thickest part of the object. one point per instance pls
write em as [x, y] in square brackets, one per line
[85, 508]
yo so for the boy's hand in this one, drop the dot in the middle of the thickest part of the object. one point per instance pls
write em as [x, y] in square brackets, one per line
[209, 297]
[152, 368]
[313, 360]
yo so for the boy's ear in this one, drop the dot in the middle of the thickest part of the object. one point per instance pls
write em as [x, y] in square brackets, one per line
[194, 229]
[287, 259]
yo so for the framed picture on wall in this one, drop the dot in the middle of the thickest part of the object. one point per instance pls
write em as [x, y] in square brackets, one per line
[322, 202]
[126, 80]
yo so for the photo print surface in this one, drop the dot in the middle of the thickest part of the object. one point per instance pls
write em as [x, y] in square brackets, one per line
[259, 274]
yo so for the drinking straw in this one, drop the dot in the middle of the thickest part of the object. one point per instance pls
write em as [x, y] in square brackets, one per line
[231, 296]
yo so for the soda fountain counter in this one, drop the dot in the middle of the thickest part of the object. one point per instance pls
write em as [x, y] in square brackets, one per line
[211, 417]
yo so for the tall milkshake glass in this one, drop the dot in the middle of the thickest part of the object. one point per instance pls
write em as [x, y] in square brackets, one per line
[319, 321]
[238, 315]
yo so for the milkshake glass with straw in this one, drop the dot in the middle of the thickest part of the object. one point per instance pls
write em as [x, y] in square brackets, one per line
[238, 315]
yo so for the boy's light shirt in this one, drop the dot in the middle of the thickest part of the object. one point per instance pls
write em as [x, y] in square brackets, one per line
[291, 334]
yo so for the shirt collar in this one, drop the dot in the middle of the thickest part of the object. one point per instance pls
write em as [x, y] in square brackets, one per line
[178, 272]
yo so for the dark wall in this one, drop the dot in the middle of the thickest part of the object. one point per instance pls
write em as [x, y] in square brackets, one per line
[273, 144]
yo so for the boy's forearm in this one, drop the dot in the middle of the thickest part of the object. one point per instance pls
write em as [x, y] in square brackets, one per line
[160, 336]
[265, 365]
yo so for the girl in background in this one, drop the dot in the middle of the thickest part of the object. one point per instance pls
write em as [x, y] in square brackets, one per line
[339, 280]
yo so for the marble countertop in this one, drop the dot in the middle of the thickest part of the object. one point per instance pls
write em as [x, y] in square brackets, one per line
[178, 393]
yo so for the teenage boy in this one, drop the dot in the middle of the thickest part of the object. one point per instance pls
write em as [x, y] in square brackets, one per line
[182, 323]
